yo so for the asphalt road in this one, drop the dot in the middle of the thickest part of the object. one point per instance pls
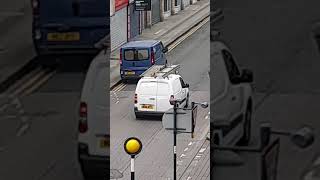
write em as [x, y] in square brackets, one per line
[156, 159]
[274, 39]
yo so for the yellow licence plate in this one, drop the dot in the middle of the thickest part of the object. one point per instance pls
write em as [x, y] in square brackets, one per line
[147, 106]
[130, 72]
[69, 36]
[104, 143]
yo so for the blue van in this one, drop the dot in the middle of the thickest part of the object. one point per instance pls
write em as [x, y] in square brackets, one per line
[69, 26]
[138, 56]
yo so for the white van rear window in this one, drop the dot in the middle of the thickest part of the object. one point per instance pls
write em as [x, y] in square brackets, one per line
[163, 89]
[148, 88]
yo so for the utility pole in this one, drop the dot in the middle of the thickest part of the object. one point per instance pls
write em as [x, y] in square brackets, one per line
[175, 140]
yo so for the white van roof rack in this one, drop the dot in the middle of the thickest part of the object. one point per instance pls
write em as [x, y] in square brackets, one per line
[161, 71]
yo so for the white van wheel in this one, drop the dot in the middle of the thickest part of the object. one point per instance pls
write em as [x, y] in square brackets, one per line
[187, 102]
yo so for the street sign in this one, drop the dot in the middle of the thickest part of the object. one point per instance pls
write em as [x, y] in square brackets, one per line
[185, 120]
[142, 5]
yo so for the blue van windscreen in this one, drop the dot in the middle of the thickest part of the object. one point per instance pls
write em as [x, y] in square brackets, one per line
[136, 54]
[69, 8]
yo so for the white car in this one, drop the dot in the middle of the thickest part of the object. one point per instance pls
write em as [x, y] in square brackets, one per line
[152, 94]
[94, 134]
[232, 98]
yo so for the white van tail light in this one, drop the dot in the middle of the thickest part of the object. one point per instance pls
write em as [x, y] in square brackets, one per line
[171, 100]
[83, 123]
[152, 57]
[135, 98]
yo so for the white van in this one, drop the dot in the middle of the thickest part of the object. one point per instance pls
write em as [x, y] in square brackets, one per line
[152, 95]
[94, 134]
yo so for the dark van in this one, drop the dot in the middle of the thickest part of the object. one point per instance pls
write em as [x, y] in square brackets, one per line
[137, 56]
[69, 26]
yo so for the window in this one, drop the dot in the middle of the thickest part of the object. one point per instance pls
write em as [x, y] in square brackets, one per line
[232, 68]
[157, 51]
[133, 54]
[182, 82]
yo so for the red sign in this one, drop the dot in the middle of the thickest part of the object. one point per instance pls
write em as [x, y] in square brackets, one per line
[121, 3]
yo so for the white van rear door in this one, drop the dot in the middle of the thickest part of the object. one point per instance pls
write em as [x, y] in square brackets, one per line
[163, 97]
[98, 119]
[147, 96]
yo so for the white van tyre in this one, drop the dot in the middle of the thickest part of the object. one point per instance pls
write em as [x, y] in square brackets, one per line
[138, 116]
[187, 102]
[245, 140]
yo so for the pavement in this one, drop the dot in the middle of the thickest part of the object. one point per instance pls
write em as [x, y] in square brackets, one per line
[16, 47]
[167, 31]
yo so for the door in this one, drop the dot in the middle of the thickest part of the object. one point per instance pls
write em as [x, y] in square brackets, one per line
[235, 90]
[147, 96]
[163, 97]
[158, 56]
[118, 28]
[155, 11]
[177, 90]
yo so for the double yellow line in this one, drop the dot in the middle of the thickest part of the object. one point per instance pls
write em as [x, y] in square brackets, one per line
[119, 87]
[188, 34]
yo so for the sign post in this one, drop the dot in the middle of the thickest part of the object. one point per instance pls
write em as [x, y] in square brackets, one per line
[181, 125]
[133, 147]
[174, 140]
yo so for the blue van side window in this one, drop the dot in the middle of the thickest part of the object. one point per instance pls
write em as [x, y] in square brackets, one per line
[158, 51]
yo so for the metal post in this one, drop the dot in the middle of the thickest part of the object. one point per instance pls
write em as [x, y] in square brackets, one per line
[192, 106]
[132, 167]
[175, 140]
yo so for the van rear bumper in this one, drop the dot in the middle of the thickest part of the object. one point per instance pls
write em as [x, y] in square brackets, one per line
[93, 166]
[147, 113]
[130, 77]
[65, 49]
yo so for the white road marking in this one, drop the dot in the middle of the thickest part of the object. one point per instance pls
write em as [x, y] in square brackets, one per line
[188, 178]
[158, 32]
[202, 150]
[190, 143]
[182, 155]
[186, 149]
